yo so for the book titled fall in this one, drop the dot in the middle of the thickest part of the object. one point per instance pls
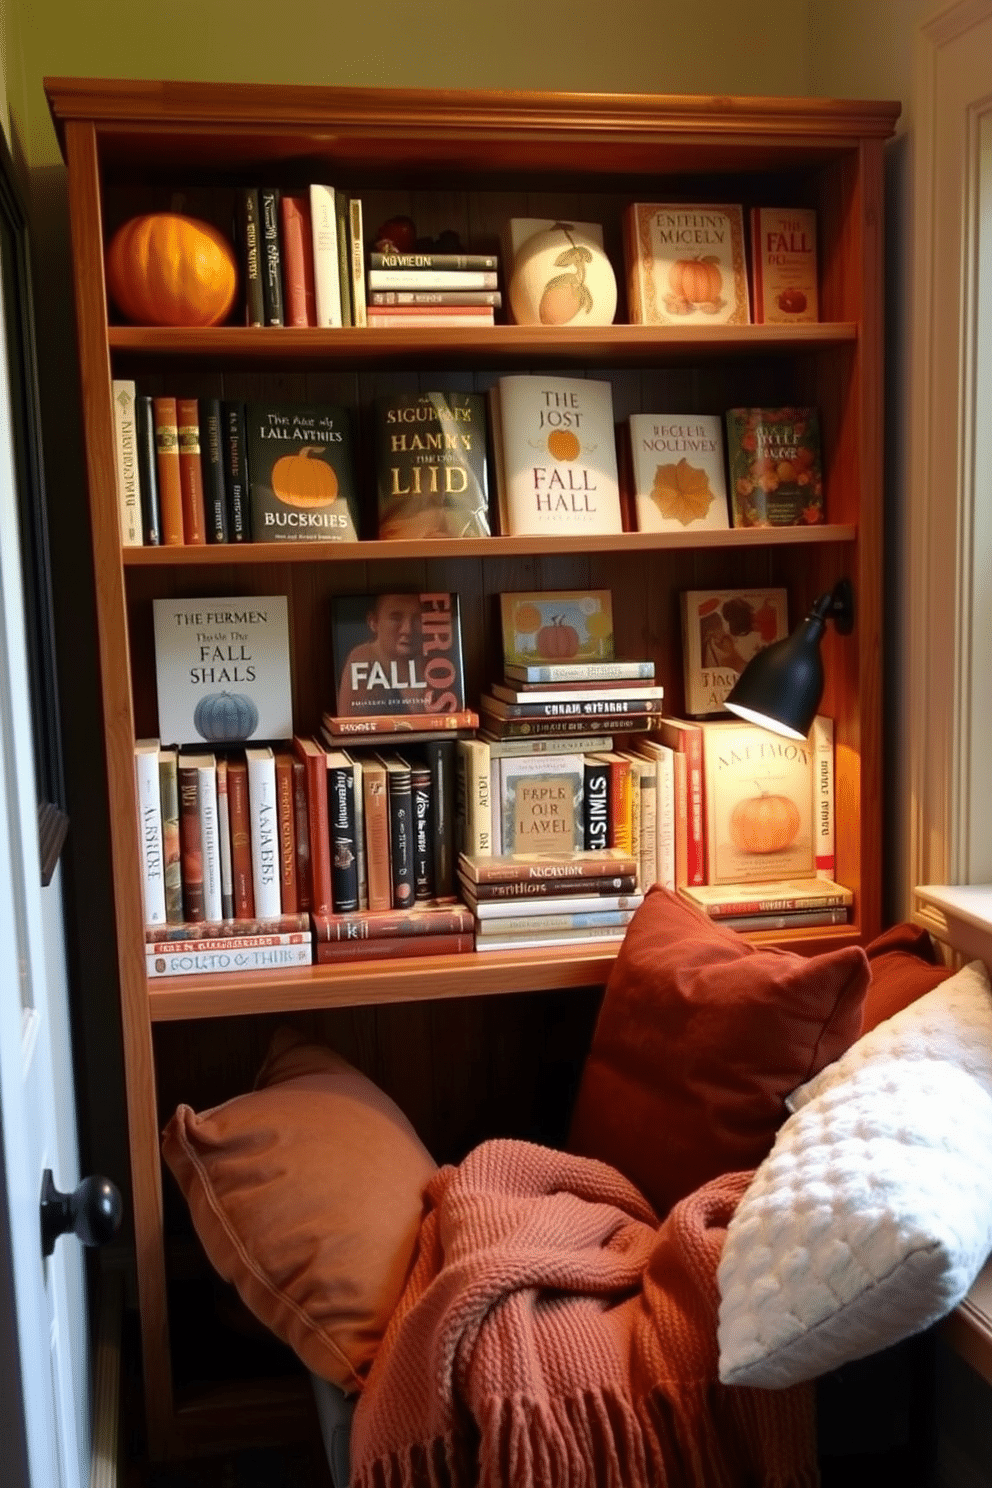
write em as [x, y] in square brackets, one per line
[783, 265]
[759, 804]
[300, 473]
[721, 630]
[678, 470]
[775, 467]
[397, 655]
[685, 264]
[430, 452]
[555, 456]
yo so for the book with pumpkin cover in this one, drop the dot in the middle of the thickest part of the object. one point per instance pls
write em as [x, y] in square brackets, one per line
[301, 476]
[685, 264]
[775, 467]
[678, 473]
[783, 265]
[222, 669]
[573, 626]
[555, 456]
[759, 791]
[431, 471]
[721, 630]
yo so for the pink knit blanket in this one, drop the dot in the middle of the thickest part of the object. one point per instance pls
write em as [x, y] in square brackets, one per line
[553, 1335]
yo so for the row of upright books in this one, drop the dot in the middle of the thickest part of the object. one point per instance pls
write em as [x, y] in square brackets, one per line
[537, 455]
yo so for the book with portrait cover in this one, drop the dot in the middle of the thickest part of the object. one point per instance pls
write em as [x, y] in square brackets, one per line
[554, 456]
[396, 655]
[572, 626]
[783, 265]
[759, 791]
[431, 472]
[301, 478]
[721, 630]
[679, 472]
[685, 264]
[775, 467]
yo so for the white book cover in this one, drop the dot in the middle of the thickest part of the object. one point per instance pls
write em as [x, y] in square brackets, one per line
[264, 831]
[213, 905]
[541, 803]
[554, 938]
[190, 960]
[222, 669]
[686, 264]
[500, 909]
[146, 774]
[679, 472]
[473, 809]
[126, 447]
[663, 757]
[558, 464]
[326, 269]
[759, 804]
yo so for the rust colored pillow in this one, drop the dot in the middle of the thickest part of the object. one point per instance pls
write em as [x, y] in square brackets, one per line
[904, 966]
[700, 1038]
[307, 1194]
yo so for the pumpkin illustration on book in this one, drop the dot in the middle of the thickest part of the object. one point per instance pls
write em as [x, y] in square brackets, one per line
[300, 479]
[764, 824]
[562, 277]
[695, 284]
[225, 717]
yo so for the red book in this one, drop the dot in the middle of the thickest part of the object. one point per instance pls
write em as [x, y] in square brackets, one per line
[191, 471]
[687, 739]
[297, 261]
[301, 824]
[426, 920]
[285, 821]
[191, 841]
[237, 805]
[170, 494]
[386, 948]
[315, 760]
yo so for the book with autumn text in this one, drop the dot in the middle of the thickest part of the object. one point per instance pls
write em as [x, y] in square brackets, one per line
[783, 265]
[678, 472]
[759, 791]
[554, 456]
[301, 477]
[685, 264]
[431, 471]
[396, 655]
[775, 467]
[721, 630]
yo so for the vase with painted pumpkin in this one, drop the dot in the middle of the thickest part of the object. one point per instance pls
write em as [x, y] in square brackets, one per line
[562, 277]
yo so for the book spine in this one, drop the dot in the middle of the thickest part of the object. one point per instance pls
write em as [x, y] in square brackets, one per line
[548, 744]
[798, 920]
[326, 268]
[687, 739]
[384, 948]
[356, 246]
[151, 518]
[271, 256]
[432, 261]
[191, 844]
[579, 671]
[494, 870]
[680, 817]
[146, 770]
[491, 297]
[720, 909]
[473, 798]
[551, 923]
[224, 831]
[822, 742]
[376, 803]
[126, 444]
[386, 723]
[621, 831]
[606, 707]
[301, 829]
[537, 909]
[213, 906]
[665, 786]
[236, 471]
[240, 811]
[168, 779]
[342, 216]
[441, 315]
[212, 460]
[344, 859]
[194, 962]
[595, 804]
[525, 728]
[420, 922]
[249, 224]
[440, 757]
[297, 260]
[264, 832]
[432, 279]
[191, 471]
[361, 856]
[297, 925]
[549, 889]
[286, 820]
[604, 936]
[170, 490]
[423, 834]
[401, 838]
[649, 825]
[224, 942]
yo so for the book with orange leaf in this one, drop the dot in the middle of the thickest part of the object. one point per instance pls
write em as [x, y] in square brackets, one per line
[677, 469]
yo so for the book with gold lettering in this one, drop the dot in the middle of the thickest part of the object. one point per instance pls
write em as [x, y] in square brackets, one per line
[685, 264]
[431, 472]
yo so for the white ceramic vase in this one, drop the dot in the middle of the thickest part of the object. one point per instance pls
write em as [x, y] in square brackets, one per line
[562, 277]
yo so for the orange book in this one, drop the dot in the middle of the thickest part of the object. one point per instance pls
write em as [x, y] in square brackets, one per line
[375, 802]
[297, 261]
[783, 265]
[191, 471]
[621, 828]
[285, 821]
[387, 947]
[237, 805]
[314, 759]
[170, 494]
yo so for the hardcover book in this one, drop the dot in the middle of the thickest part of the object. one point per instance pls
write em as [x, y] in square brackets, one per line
[571, 626]
[721, 630]
[249, 237]
[783, 265]
[555, 456]
[297, 260]
[759, 804]
[300, 473]
[541, 804]
[326, 260]
[397, 654]
[430, 454]
[685, 264]
[775, 466]
[777, 896]
[151, 516]
[191, 471]
[170, 493]
[270, 254]
[678, 471]
[126, 449]
[213, 462]
[222, 669]
[264, 830]
[149, 792]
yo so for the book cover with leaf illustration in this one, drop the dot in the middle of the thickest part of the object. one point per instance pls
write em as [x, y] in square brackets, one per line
[685, 264]
[721, 630]
[758, 804]
[561, 625]
[775, 467]
[301, 477]
[678, 471]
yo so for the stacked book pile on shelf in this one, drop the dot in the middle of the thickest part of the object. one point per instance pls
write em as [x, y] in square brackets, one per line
[526, 900]
[414, 280]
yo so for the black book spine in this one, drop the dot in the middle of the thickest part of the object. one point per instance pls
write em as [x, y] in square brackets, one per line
[344, 854]
[250, 238]
[151, 520]
[236, 472]
[423, 832]
[214, 482]
[401, 838]
[596, 804]
[271, 255]
[440, 757]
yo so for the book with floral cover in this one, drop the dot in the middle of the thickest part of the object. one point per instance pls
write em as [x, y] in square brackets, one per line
[775, 467]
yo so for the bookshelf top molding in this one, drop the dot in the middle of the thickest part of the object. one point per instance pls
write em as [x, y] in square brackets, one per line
[136, 120]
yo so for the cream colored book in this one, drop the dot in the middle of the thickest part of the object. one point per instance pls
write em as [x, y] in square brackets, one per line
[759, 804]
[685, 264]
[679, 472]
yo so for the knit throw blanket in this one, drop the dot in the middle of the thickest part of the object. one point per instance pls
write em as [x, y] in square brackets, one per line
[553, 1335]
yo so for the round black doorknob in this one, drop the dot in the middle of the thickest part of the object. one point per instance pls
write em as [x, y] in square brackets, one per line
[92, 1212]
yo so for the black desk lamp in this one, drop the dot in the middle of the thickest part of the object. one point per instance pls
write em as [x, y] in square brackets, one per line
[781, 686]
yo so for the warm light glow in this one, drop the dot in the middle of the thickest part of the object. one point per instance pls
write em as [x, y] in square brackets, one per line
[764, 720]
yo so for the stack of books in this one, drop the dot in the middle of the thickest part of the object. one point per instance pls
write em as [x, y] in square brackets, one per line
[780, 904]
[521, 901]
[424, 288]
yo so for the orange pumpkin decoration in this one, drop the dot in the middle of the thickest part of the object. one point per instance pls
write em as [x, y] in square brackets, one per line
[764, 824]
[563, 445]
[557, 640]
[169, 270]
[697, 280]
[299, 481]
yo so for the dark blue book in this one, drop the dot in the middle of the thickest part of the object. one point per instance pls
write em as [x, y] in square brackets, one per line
[236, 472]
[343, 825]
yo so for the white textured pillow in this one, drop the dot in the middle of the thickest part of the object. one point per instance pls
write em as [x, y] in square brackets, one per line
[872, 1215]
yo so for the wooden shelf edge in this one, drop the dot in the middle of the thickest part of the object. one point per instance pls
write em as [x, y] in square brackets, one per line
[968, 1329]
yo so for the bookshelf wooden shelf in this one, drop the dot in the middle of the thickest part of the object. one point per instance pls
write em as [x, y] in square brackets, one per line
[444, 1037]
